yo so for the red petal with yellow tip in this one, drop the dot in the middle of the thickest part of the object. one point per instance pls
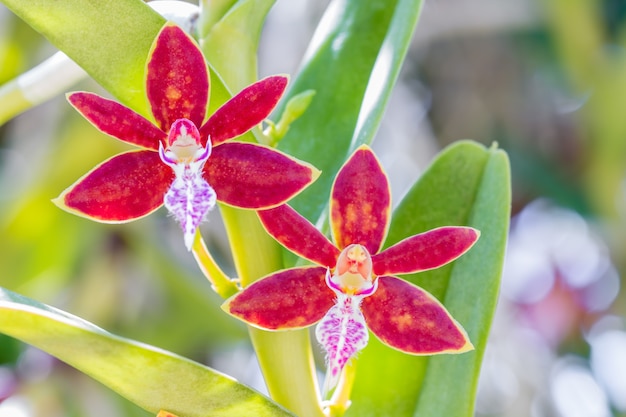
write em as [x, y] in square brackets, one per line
[177, 81]
[411, 320]
[253, 176]
[122, 188]
[298, 235]
[360, 202]
[288, 299]
[245, 110]
[116, 120]
[425, 251]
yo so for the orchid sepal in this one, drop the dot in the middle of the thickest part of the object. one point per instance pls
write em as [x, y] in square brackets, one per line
[360, 202]
[177, 80]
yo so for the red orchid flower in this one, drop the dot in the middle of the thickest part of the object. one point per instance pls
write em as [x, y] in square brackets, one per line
[186, 162]
[354, 289]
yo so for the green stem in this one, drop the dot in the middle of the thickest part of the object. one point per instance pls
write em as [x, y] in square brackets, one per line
[287, 363]
[255, 253]
[220, 282]
[285, 357]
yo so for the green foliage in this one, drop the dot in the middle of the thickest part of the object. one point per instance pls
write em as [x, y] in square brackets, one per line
[151, 378]
[240, 28]
[352, 66]
[110, 40]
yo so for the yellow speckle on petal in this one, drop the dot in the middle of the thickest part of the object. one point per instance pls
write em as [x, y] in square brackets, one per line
[173, 93]
[403, 321]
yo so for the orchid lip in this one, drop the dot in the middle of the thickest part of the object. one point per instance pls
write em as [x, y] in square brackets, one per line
[190, 197]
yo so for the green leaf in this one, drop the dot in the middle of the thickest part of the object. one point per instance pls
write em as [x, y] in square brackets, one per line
[108, 39]
[352, 64]
[231, 43]
[149, 377]
[211, 12]
[466, 185]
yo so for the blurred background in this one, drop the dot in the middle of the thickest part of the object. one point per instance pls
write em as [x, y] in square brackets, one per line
[545, 79]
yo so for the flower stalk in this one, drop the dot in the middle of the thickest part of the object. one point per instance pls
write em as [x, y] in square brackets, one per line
[220, 282]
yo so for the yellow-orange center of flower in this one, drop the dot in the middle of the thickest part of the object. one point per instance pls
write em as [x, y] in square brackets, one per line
[354, 270]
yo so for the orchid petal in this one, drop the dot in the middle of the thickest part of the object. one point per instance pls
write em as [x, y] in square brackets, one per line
[177, 81]
[245, 110]
[411, 320]
[253, 176]
[123, 188]
[427, 250]
[360, 202]
[288, 299]
[117, 120]
[298, 235]
[342, 333]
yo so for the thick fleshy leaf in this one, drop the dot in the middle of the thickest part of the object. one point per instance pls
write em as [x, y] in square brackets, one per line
[425, 251]
[149, 377]
[468, 185]
[360, 203]
[352, 64]
[123, 188]
[117, 120]
[109, 40]
[253, 176]
[409, 319]
[177, 81]
[289, 299]
[230, 38]
[298, 235]
[245, 110]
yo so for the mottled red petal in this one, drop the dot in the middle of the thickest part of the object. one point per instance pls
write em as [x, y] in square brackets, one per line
[177, 81]
[409, 319]
[123, 188]
[245, 110]
[427, 250]
[298, 235]
[288, 299]
[360, 202]
[253, 176]
[117, 120]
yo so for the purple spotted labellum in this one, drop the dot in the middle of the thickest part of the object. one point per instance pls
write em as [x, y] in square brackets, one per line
[186, 161]
[353, 288]
[190, 196]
